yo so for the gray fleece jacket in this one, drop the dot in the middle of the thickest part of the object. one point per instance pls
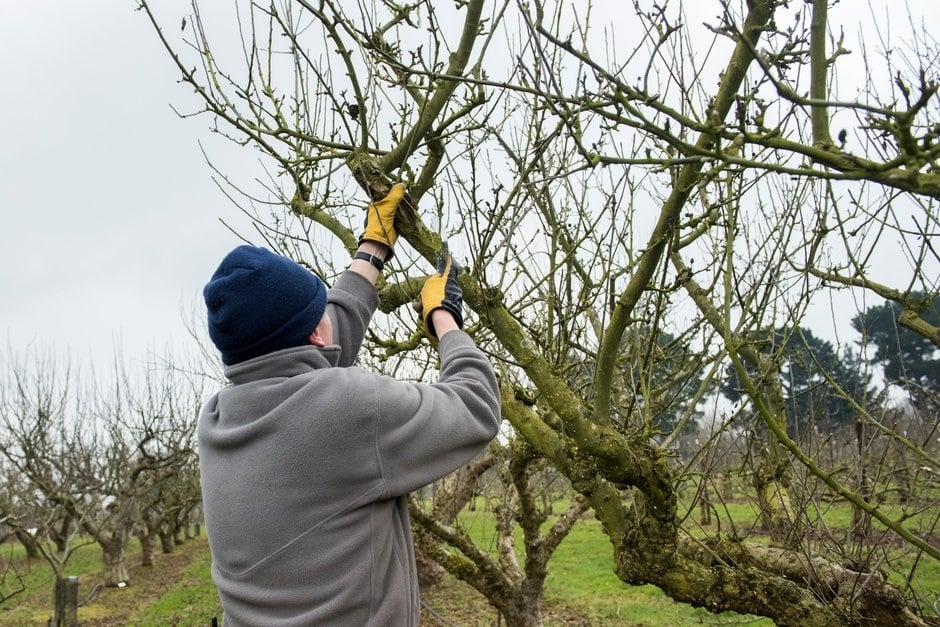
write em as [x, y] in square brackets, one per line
[305, 462]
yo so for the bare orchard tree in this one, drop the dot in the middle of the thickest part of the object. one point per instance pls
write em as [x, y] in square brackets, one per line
[171, 493]
[694, 174]
[39, 403]
[19, 522]
[87, 456]
[143, 436]
[169, 506]
[449, 496]
[515, 589]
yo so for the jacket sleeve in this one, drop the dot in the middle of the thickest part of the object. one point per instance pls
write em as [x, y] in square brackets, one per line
[426, 431]
[350, 304]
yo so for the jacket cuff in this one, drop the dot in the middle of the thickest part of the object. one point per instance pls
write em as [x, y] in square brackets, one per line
[359, 288]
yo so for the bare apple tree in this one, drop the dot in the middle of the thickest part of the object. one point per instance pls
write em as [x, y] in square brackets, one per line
[87, 455]
[639, 195]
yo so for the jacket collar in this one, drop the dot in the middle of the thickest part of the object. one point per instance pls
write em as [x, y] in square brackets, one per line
[288, 362]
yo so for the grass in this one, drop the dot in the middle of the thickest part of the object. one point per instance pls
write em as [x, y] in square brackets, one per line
[156, 595]
[193, 594]
[580, 576]
[34, 606]
[581, 588]
[883, 551]
[580, 579]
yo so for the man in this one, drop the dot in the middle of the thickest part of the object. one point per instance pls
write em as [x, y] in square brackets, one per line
[305, 460]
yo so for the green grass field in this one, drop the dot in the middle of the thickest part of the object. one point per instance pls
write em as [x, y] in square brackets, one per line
[580, 576]
[176, 591]
[581, 588]
[580, 581]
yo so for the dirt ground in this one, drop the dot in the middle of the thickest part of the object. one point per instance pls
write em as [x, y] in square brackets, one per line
[452, 603]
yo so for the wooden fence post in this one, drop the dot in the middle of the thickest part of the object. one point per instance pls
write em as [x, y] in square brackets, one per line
[66, 602]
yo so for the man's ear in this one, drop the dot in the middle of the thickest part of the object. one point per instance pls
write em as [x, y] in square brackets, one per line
[316, 339]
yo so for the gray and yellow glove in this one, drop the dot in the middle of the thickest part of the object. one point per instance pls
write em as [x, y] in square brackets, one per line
[380, 219]
[441, 291]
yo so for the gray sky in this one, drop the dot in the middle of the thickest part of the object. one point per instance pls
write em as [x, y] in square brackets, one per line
[110, 217]
[111, 220]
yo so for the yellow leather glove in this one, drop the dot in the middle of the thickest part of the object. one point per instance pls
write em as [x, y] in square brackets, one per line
[441, 290]
[380, 219]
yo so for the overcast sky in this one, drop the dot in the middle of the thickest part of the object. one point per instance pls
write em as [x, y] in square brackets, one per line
[110, 216]
[111, 220]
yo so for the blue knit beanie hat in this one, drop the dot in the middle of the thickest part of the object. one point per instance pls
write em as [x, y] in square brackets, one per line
[259, 302]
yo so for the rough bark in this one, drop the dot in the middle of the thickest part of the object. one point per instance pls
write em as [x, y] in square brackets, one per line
[114, 563]
[28, 541]
[167, 545]
[147, 548]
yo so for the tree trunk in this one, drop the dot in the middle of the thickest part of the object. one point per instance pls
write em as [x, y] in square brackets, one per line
[430, 573]
[776, 511]
[147, 548]
[523, 609]
[167, 545]
[705, 508]
[29, 543]
[861, 521]
[114, 562]
[774, 470]
[450, 495]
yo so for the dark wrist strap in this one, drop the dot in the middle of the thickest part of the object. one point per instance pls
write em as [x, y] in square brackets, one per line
[375, 261]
